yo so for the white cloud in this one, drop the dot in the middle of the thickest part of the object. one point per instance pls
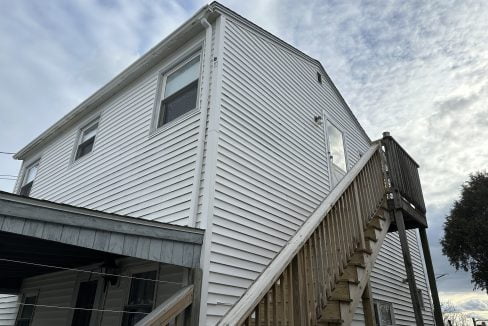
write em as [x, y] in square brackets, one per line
[415, 68]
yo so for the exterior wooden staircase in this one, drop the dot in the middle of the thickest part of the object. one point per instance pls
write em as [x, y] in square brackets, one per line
[323, 273]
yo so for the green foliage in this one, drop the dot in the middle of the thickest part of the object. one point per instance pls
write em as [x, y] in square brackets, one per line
[465, 241]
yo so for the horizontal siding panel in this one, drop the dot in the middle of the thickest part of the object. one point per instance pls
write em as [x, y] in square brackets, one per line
[272, 168]
[129, 172]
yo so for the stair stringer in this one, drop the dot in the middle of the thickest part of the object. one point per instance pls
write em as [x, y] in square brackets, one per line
[356, 291]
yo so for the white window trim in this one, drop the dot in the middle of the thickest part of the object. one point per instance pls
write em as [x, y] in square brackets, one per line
[79, 137]
[161, 85]
[343, 131]
[24, 174]
[392, 311]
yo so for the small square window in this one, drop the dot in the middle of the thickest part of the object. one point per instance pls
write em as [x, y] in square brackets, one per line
[28, 180]
[180, 91]
[26, 311]
[87, 139]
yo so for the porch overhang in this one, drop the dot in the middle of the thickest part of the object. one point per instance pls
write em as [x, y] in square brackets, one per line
[32, 228]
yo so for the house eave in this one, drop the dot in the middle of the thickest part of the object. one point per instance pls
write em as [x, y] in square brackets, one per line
[111, 233]
[183, 33]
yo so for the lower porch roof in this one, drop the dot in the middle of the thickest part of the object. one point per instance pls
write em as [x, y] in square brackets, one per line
[31, 228]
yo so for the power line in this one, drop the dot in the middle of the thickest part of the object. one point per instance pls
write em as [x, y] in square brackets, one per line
[8, 175]
[8, 153]
[76, 308]
[85, 271]
[8, 179]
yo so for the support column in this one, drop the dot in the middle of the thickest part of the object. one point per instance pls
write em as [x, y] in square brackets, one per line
[368, 309]
[431, 276]
[408, 266]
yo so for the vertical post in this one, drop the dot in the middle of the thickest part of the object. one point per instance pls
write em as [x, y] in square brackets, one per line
[398, 215]
[431, 276]
[367, 299]
[192, 315]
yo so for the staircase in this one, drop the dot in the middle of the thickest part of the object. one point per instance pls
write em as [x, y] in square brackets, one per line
[321, 275]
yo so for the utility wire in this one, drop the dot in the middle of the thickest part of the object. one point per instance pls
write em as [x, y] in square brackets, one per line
[8, 153]
[8, 175]
[85, 271]
[87, 309]
[8, 179]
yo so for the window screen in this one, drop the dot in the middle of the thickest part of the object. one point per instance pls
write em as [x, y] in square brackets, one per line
[336, 146]
[26, 312]
[180, 92]
[141, 297]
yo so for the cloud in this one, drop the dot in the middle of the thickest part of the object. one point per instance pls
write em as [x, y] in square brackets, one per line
[475, 304]
[418, 69]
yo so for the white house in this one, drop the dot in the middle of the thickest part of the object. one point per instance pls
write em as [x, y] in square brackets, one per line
[221, 178]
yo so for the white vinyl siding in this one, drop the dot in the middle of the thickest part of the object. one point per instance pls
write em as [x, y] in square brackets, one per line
[132, 171]
[271, 164]
[8, 309]
[387, 281]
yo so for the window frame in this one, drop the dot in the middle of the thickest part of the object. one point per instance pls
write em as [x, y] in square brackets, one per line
[85, 277]
[21, 307]
[79, 139]
[133, 272]
[161, 86]
[344, 143]
[24, 177]
[377, 312]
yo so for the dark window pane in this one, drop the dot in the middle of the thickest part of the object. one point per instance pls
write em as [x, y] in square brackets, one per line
[26, 189]
[140, 297]
[85, 299]
[178, 104]
[85, 148]
[27, 311]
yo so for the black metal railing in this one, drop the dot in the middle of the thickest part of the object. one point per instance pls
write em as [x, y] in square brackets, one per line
[403, 172]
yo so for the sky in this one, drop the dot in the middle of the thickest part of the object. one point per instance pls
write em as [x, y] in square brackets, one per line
[418, 69]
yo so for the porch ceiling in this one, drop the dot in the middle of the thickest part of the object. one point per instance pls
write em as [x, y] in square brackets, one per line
[107, 233]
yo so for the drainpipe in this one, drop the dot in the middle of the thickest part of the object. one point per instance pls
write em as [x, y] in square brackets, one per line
[203, 122]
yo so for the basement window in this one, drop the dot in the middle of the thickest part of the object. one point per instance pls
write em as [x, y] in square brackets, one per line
[26, 311]
[180, 91]
[141, 297]
[28, 180]
[383, 313]
[86, 140]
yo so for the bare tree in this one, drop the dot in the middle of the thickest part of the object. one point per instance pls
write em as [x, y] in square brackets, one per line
[452, 314]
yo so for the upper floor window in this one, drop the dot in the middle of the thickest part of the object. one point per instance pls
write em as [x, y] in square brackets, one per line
[336, 146]
[86, 139]
[180, 91]
[28, 180]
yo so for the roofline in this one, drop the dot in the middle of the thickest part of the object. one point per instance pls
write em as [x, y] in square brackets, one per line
[179, 233]
[128, 75]
[143, 64]
[229, 12]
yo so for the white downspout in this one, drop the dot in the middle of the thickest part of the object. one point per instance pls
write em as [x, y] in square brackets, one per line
[195, 194]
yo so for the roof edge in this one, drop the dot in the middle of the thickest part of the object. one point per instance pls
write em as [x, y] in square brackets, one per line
[129, 74]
